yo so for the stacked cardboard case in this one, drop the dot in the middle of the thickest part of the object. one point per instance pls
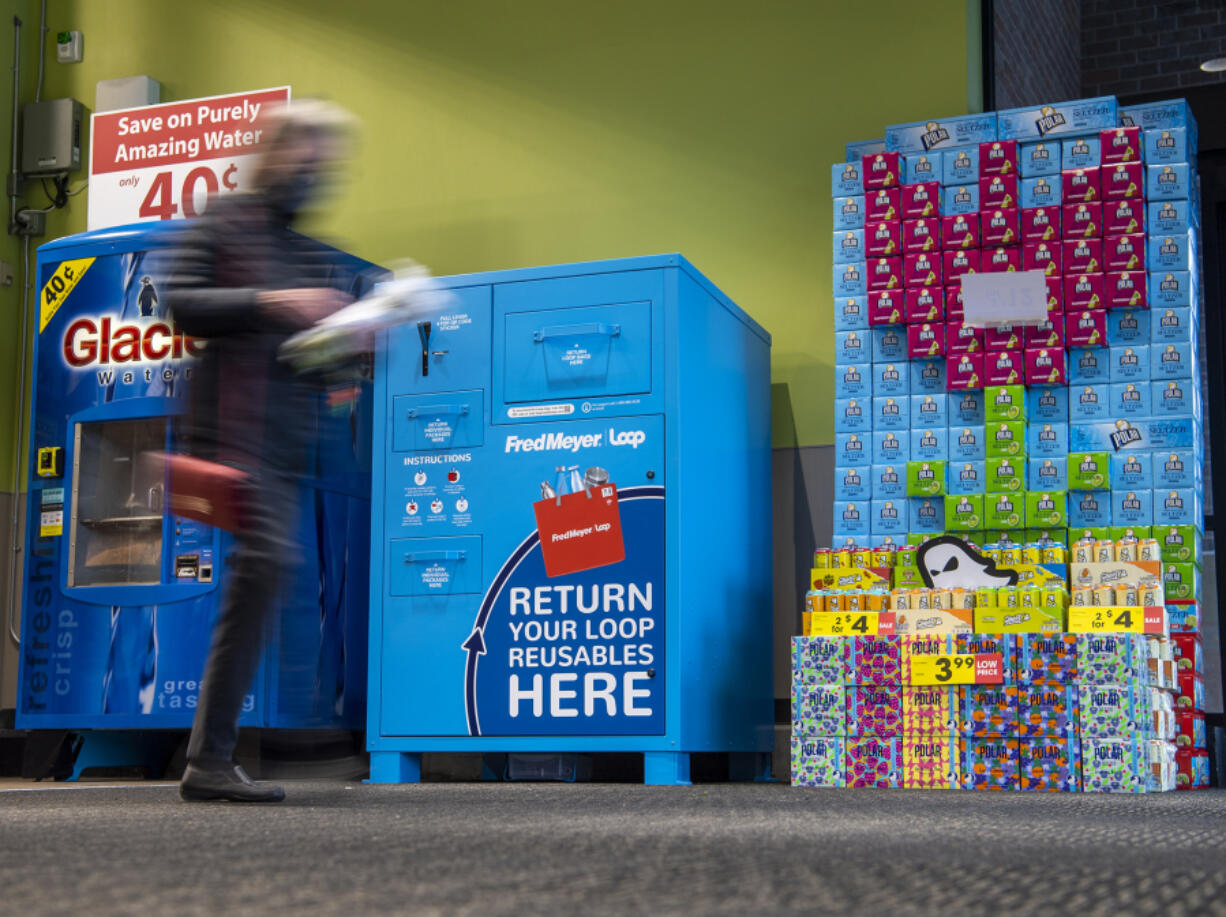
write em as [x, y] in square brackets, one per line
[1087, 426]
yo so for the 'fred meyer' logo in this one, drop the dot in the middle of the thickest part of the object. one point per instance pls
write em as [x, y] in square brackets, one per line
[567, 442]
[107, 341]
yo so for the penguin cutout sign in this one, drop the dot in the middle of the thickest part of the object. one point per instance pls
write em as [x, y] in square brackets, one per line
[949, 563]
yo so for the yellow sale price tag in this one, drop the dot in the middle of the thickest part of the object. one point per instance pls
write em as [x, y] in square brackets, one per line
[850, 623]
[1117, 619]
[56, 290]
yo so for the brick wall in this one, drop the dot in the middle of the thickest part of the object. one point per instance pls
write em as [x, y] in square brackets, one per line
[1037, 51]
[1131, 47]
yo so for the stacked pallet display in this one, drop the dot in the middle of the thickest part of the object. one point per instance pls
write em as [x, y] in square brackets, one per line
[1085, 429]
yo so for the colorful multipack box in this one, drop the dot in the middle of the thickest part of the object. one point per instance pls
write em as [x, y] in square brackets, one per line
[931, 762]
[963, 338]
[818, 661]
[1190, 729]
[1192, 766]
[1046, 510]
[999, 227]
[921, 200]
[1132, 507]
[1113, 710]
[1040, 224]
[851, 415]
[1047, 660]
[929, 445]
[989, 763]
[848, 246]
[925, 340]
[960, 231]
[1175, 398]
[852, 450]
[1049, 765]
[886, 413]
[1130, 364]
[1002, 259]
[1006, 475]
[1083, 292]
[819, 710]
[1089, 471]
[873, 762]
[960, 261]
[851, 520]
[873, 660]
[1047, 711]
[1004, 511]
[988, 710]
[925, 479]
[1173, 326]
[1114, 765]
[888, 378]
[889, 345]
[930, 710]
[1005, 402]
[1082, 256]
[889, 517]
[882, 205]
[1182, 582]
[1081, 185]
[1110, 658]
[819, 761]
[916, 645]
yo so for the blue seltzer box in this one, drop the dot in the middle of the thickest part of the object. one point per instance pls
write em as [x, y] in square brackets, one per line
[854, 380]
[924, 136]
[965, 408]
[930, 409]
[891, 378]
[849, 212]
[1050, 473]
[846, 179]
[890, 517]
[850, 280]
[1173, 361]
[859, 148]
[1166, 145]
[1128, 327]
[1081, 153]
[931, 445]
[852, 347]
[1152, 115]
[1132, 507]
[1082, 116]
[960, 167]
[851, 314]
[961, 199]
[1040, 158]
[851, 520]
[1169, 217]
[1047, 404]
[1168, 182]
[1047, 440]
[851, 450]
[1175, 398]
[1132, 470]
[927, 515]
[889, 344]
[1087, 402]
[963, 478]
[889, 413]
[891, 447]
[848, 246]
[1171, 289]
[1119, 434]
[889, 481]
[1130, 363]
[1041, 191]
[1130, 400]
[1171, 251]
[1177, 507]
[1176, 469]
[1089, 365]
[918, 167]
[1176, 325]
[926, 375]
[852, 484]
[1089, 509]
[852, 415]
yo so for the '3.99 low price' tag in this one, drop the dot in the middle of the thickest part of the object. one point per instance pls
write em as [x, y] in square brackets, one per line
[849, 624]
[958, 669]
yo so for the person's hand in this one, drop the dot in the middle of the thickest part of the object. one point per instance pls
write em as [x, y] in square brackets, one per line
[301, 307]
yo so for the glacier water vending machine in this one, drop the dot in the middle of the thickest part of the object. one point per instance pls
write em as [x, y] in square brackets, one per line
[119, 593]
[571, 538]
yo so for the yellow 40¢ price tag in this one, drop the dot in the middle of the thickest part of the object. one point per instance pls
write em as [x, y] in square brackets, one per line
[958, 669]
[850, 623]
[1115, 619]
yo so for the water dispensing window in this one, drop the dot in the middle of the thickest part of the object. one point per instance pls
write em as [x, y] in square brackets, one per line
[117, 504]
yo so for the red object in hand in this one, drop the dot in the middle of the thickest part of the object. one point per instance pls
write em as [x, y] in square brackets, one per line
[208, 492]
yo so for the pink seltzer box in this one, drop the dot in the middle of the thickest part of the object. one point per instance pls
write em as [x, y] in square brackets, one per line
[1005, 367]
[960, 230]
[1084, 291]
[1125, 289]
[922, 269]
[1120, 144]
[921, 200]
[923, 304]
[1123, 216]
[923, 235]
[926, 340]
[999, 260]
[1123, 181]
[884, 274]
[961, 338]
[1083, 220]
[1055, 295]
[883, 238]
[999, 227]
[1042, 256]
[1124, 253]
[964, 371]
[953, 302]
[1082, 256]
[882, 204]
[1046, 366]
[1003, 337]
[1087, 328]
[1048, 334]
[880, 170]
[960, 261]
[885, 307]
[1080, 185]
[998, 192]
[997, 157]
[1040, 224]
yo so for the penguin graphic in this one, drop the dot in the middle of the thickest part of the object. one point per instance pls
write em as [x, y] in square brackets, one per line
[949, 563]
[147, 298]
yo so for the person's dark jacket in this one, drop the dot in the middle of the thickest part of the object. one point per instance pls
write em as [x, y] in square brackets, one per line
[246, 407]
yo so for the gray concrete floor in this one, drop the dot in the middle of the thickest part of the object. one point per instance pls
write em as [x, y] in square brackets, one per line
[346, 848]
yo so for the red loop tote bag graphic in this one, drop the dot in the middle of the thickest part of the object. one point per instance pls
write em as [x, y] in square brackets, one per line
[580, 531]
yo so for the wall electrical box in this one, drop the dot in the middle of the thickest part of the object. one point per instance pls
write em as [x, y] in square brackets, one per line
[571, 524]
[51, 137]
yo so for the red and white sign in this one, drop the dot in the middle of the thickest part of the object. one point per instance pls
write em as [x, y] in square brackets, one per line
[164, 162]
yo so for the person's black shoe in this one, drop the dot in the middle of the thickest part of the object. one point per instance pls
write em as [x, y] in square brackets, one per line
[201, 784]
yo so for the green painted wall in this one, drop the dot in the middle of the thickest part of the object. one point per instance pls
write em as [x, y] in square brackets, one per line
[502, 134]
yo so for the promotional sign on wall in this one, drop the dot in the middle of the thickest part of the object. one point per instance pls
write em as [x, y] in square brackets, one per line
[164, 162]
